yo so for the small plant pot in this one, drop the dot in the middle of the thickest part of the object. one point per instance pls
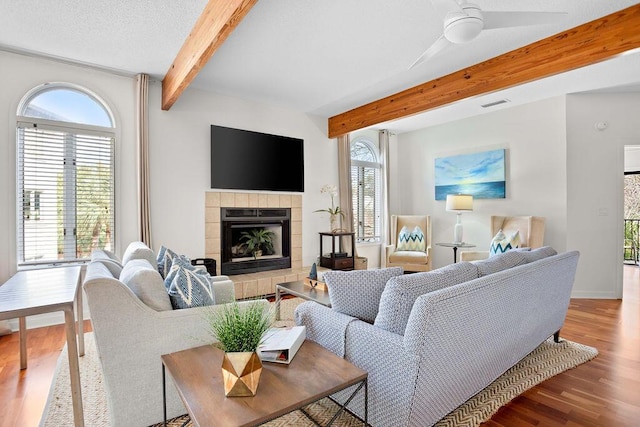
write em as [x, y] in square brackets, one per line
[241, 373]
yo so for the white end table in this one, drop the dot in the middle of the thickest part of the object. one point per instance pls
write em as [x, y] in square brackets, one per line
[31, 292]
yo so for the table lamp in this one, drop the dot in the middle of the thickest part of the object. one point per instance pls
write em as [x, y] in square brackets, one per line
[459, 203]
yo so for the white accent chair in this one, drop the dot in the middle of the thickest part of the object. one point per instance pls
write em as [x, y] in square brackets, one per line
[531, 230]
[409, 260]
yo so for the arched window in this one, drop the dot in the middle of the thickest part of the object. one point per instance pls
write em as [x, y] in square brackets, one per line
[366, 190]
[65, 162]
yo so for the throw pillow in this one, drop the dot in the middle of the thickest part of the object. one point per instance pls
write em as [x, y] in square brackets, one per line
[143, 279]
[187, 287]
[413, 241]
[357, 293]
[501, 243]
[160, 259]
[167, 260]
[401, 292]
[403, 239]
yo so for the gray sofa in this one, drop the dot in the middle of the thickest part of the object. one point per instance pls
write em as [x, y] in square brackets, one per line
[430, 341]
[131, 335]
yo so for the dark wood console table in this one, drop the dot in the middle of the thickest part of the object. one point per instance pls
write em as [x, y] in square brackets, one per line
[342, 259]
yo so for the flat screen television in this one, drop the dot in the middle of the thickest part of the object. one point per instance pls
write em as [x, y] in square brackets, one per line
[246, 160]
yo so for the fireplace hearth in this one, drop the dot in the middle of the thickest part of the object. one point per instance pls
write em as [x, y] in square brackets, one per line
[270, 251]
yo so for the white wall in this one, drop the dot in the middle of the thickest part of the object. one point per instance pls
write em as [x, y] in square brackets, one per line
[534, 138]
[595, 163]
[180, 163]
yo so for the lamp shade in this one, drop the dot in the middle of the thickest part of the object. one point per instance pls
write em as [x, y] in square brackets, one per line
[459, 202]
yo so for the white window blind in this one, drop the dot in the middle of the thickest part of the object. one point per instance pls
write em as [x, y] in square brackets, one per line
[65, 192]
[366, 191]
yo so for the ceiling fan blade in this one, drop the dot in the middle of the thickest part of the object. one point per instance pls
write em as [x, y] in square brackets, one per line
[443, 7]
[436, 47]
[520, 19]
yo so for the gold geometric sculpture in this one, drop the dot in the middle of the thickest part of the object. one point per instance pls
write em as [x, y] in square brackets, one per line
[241, 373]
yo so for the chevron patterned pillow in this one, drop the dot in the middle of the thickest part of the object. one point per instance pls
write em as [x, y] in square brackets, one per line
[411, 241]
[501, 243]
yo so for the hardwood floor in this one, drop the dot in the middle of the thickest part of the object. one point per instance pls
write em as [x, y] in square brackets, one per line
[603, 392]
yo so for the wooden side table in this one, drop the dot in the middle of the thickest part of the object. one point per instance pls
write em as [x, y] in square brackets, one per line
[455, 247]
[337, 260]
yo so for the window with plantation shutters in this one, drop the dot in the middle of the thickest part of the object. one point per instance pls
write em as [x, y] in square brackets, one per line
[65, 195]
[366, 184]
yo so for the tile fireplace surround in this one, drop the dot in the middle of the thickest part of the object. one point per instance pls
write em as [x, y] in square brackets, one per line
[261, 283]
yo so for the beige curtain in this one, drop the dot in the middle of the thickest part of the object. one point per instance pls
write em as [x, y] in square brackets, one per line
[142, 139]
[344, 183]
[385, 233]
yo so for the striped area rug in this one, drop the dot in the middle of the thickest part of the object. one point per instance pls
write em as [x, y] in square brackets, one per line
[547, 360]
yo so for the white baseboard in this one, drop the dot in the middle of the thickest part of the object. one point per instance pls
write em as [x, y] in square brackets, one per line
[594, 295]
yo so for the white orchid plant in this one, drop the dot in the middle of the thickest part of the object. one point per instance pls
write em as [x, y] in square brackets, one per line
[332, 191]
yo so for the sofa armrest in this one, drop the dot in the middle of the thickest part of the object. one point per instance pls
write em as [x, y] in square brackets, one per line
[223, 289]
[389, 249]
[473, 255]
[325, 326]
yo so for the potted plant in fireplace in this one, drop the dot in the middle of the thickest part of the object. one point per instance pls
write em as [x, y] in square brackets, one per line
[239, 331]
[257, 241]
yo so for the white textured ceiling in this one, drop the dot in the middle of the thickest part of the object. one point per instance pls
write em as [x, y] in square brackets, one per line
[317, 56]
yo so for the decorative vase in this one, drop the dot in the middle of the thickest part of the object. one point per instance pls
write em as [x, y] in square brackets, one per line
[241, 373]
[335, 224]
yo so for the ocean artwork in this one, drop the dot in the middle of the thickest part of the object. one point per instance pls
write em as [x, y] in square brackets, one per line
[480, 174]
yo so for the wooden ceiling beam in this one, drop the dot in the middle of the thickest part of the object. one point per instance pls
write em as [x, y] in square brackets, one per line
[217, 21]
[581, 46]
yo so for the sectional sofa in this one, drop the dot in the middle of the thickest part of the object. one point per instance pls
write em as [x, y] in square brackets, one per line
[430, 341]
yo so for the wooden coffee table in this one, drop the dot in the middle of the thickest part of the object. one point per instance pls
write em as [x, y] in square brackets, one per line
[314, 373]
[299, 289]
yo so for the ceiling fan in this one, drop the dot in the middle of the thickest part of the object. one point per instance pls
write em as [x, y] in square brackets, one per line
[464, 21]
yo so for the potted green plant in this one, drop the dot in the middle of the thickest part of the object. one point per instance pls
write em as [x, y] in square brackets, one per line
[257, 240]
[239, 331]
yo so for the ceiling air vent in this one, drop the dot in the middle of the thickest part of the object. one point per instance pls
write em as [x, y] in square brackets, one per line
[494, 103]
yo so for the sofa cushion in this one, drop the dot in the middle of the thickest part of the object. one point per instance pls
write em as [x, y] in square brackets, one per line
[357, 293]
[188, 287]
[500, 262]
[145, 281]
[540, 253]
[402, 291]
[109, 260]
[501, 243]
[138, 250]
[408, 257]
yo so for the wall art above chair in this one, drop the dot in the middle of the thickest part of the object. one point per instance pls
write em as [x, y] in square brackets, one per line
[481, 175]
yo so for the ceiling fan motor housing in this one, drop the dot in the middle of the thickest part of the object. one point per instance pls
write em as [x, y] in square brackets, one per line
[463, 27]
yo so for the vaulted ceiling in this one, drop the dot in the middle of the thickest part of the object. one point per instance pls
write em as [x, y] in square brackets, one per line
[319, 57]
